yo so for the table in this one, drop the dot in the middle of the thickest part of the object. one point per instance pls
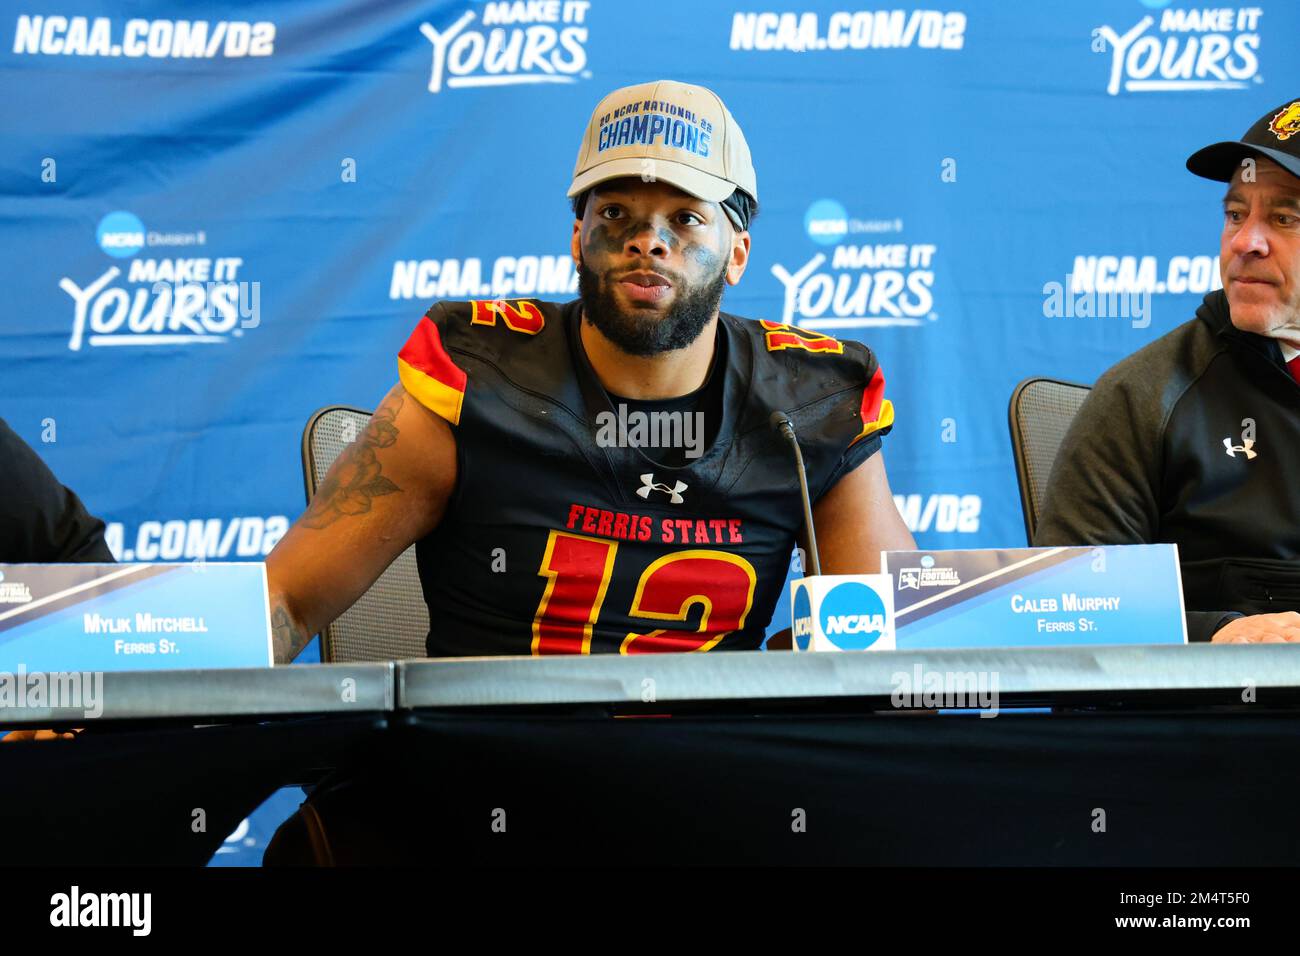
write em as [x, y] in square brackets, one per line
[179, 758]
[1197, 674]
[570, 750]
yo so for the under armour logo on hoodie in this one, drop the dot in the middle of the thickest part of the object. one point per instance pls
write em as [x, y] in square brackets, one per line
[1246, 448]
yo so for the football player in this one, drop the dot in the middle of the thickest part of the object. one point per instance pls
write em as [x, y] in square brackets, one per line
[602, 476]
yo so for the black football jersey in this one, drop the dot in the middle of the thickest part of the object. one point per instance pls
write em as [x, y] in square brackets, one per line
[566, 535]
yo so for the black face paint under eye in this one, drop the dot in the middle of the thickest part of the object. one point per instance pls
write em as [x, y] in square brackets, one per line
[605, 237]
[601, 239]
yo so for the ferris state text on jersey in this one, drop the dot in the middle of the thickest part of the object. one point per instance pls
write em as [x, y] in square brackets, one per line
[556, 543]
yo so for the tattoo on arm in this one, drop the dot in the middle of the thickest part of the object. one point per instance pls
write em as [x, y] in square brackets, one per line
[286, 638]
[356, 477]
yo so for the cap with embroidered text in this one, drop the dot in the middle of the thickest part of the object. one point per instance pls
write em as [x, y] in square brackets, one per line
[669, 132]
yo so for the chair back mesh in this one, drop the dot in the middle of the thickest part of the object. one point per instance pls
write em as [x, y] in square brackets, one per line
[1041, 412]
[390, 621]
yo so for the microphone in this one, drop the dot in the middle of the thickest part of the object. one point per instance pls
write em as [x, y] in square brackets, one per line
[781, 423]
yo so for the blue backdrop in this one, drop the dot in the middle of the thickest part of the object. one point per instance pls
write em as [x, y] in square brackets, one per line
[219, 217]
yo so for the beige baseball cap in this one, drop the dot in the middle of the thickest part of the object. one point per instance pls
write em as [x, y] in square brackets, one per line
[669, 131]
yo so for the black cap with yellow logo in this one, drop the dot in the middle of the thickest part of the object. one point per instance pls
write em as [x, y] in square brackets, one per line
[1276, 136]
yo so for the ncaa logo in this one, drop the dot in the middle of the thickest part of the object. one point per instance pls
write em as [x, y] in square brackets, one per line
[852, 616]
[826, 222]
[120, 234]
[803, 620]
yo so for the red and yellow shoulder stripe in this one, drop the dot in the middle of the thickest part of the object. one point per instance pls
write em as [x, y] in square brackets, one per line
[427, 372]
[426, 369]
[877, 411]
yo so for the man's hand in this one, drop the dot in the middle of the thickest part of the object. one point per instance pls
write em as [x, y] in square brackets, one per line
[14, 736]
[1281, 628]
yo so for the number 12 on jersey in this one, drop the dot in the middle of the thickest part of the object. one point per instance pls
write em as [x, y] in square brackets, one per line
[578, 571]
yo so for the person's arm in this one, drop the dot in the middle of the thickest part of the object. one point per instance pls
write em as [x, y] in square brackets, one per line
[1104, 485]
[41, 521]
[854, 521]
[387, 490]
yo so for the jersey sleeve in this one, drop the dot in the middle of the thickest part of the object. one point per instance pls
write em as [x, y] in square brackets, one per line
[425, 366]
[457, 342]
[833, 390]
[875, 415]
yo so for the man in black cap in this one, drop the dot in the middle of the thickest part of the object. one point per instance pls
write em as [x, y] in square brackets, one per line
[1195, 439]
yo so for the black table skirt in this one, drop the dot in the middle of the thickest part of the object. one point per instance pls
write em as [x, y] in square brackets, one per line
[912, 790]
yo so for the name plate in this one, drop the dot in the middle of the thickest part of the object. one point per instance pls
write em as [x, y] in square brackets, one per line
[1037, 597]
[117, 617]
[842, 612]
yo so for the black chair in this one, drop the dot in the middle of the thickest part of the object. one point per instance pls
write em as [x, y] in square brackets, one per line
[1040, 414]
[390, 621]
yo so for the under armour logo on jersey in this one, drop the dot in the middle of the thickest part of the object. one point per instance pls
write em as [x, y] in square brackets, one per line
[648, 484]
[1246, 448]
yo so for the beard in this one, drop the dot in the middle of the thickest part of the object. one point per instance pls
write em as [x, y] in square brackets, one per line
[647, 332]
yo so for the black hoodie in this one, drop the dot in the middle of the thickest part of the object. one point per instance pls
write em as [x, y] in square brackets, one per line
[1194, 440]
